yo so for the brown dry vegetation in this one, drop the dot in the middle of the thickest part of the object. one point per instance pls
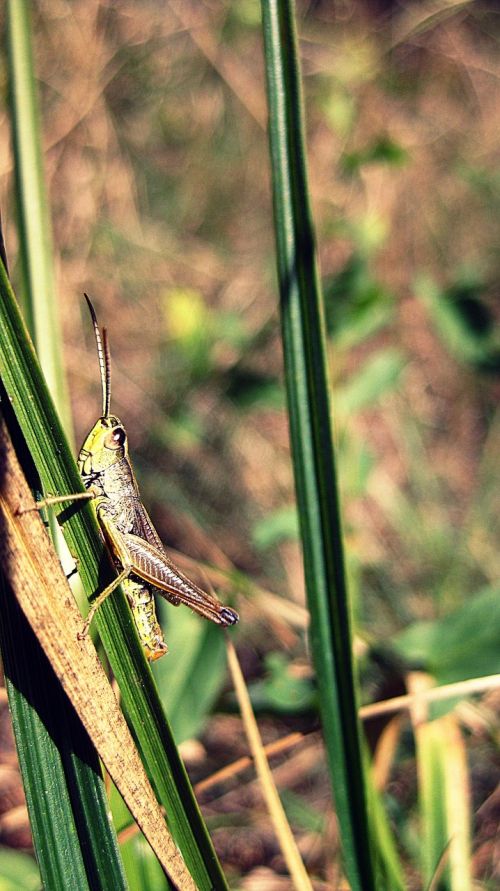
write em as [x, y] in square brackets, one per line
[157, 166]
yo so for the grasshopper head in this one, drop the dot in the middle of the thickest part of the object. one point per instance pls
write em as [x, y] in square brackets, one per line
[105, 445]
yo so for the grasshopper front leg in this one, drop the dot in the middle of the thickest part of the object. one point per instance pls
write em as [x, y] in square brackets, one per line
[51, 500]
[139, 595]
[90, 495]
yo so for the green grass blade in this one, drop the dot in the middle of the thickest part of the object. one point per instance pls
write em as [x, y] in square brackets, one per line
[76, 847]
[61, 774]
[18, 871]
[42, 430]
[444, 799]
[139, 695]
[35, 238]
[190, 689]
[73, 760]
[41, 760]
[312, 447]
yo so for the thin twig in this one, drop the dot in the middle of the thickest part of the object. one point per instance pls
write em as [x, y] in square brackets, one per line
[286, 840]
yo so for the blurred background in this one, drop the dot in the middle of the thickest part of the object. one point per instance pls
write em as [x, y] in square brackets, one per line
[154, 122]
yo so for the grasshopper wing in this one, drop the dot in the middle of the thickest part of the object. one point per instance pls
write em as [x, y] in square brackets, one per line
[144, 527]
[153, 566]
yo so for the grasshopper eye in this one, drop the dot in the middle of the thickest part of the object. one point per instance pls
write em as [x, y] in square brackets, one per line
[115, 439]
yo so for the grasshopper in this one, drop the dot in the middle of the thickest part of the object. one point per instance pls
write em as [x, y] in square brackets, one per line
[133, 542]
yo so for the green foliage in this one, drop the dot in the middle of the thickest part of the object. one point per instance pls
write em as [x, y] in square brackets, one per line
[18, 872]
[306, 818]
[464, 644]
[141, 866]
[383, 150]
[282, 690]
[378, 377]
[463, 320]
[276, 527]
[405, 187]
[142, 869]
[190, 685]
[252, 390]
[356, 304]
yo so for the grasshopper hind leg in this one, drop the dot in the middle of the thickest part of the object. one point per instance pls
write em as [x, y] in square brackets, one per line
[141, 600]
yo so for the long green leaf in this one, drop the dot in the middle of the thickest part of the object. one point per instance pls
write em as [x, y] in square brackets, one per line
[61, 771]
[57, 472]
[311, 440]
[52, 821]
[35, 232]
[18, 872]
[42, 430]
[65, 762]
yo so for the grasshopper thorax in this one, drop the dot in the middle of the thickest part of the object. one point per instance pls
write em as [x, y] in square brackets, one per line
[105, 445]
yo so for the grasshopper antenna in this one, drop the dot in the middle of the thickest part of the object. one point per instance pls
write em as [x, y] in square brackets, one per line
[104, 359]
